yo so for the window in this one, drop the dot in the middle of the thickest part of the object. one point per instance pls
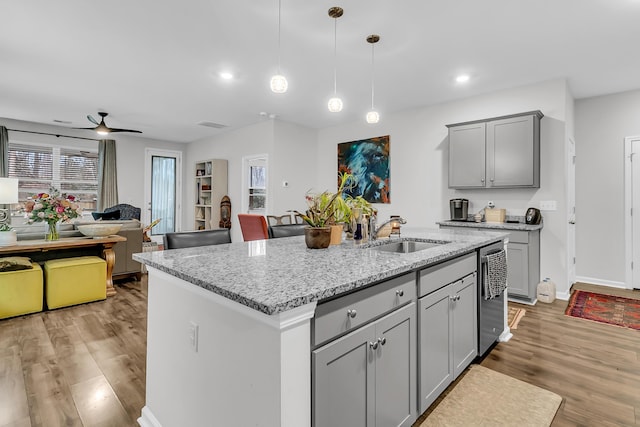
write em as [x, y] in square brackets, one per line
[40, 167]
[257, 188]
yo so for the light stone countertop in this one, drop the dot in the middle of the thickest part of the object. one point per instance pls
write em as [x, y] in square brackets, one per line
[276, 275]
[521, 226]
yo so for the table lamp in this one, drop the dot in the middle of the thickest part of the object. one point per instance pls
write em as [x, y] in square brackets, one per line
[8, 195]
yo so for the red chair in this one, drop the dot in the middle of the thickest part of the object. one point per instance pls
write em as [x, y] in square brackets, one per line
[254, 227]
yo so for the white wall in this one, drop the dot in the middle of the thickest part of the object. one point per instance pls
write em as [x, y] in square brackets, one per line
[291, 151]
[602, 123]
[419, 163]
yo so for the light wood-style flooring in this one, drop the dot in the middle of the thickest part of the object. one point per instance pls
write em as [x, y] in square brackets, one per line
[76, 366]
[85, 365]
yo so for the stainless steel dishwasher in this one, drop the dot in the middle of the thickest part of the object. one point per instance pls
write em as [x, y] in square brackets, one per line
[490, 311]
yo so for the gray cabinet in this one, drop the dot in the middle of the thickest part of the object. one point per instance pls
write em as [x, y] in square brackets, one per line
[502, 152]
[368, 377]
[523, 263]
[447, 325]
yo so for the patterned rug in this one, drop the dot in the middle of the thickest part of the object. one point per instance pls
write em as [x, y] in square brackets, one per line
[602, 308]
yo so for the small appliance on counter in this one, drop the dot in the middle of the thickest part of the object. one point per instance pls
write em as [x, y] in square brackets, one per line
[532, 216]
[459, 209]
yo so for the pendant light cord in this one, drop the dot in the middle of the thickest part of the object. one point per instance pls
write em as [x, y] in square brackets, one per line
[335, 56]
[279, 17]
[372, 72]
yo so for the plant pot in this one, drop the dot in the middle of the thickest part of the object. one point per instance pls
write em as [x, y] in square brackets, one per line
[8, 238]
[317, 237]
[336, 234]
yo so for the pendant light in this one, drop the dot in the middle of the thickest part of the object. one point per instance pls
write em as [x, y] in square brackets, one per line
[373, 116]
[279, 82]
[335, 103]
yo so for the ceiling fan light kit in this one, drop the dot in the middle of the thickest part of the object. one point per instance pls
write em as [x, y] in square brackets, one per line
[102, 129]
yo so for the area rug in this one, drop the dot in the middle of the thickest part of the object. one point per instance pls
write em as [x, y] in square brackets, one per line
[602, 308]
[514, 316]
[484, 397]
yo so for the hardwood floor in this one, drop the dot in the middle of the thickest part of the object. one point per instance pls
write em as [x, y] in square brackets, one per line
[85, 365]
[76, 366]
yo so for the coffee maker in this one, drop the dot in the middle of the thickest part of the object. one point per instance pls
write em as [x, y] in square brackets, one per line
[459, 209]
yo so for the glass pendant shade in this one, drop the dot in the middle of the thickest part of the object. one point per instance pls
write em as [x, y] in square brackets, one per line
[279, 83]
[335, 105]
[373, 117]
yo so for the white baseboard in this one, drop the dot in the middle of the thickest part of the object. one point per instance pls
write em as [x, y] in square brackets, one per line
[595, 281]
[147, 419]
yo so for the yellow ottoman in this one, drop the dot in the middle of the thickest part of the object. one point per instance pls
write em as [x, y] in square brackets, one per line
[70, 281]
[20, 292]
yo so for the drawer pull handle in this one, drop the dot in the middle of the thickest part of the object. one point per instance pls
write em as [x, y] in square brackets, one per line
[382, 340]
[400, 292]
[455, 298]
[373, 345]
[352, 313]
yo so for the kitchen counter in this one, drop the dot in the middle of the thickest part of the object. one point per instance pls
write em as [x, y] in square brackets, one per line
[229, 326]
[520, 225]
[272, 276]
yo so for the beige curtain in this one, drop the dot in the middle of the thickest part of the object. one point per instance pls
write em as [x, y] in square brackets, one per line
[107, 175]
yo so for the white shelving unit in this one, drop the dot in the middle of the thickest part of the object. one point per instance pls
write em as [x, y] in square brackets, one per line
[211, 186]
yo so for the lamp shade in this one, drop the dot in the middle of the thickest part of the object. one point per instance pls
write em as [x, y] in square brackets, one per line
[335, 105]
[8, 190]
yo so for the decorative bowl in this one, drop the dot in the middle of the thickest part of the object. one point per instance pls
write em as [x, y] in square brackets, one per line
[98, 231]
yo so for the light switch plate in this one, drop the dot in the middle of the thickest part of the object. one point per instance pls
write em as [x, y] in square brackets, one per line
[548, 205]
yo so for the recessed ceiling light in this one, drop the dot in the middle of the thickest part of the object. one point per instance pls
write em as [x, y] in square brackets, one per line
[462, 78]
[226, 75]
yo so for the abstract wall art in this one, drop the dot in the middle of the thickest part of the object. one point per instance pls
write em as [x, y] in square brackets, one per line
[368, 161]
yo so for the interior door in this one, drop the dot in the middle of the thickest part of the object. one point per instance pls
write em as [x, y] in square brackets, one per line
[163, 171]
[571, 228]
[635, 210]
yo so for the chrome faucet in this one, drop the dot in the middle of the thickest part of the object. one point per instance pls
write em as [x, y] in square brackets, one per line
[373, 234]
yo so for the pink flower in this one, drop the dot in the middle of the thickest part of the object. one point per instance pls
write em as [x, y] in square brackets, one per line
[59, 209]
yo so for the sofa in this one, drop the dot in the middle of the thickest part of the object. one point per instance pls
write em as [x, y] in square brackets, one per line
[124, 264]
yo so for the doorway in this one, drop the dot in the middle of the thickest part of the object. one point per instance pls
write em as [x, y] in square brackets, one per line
[254, 184]
[571, 211]
[163, 194]
[632, 211]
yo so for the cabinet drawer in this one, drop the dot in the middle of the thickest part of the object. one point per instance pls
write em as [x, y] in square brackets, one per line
[351, 311]
[433, 278]
[518, 236]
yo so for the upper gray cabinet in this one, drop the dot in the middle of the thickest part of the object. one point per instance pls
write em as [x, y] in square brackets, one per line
[501, 152]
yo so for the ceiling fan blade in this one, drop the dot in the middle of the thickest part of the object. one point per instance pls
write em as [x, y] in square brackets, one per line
[93, 128]
[124, 130]
[92, 120]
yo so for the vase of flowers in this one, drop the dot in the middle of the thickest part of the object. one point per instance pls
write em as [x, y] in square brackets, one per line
[52, 208]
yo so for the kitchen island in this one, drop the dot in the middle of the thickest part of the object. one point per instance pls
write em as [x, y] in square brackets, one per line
[229, 326]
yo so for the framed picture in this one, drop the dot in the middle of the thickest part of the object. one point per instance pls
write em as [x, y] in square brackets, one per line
[368, 161]
[199, 172]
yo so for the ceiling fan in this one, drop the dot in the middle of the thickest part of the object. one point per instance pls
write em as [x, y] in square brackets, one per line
[102, 129]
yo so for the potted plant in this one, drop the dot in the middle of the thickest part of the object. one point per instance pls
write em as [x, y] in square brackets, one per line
[8, 235]
[324, 210]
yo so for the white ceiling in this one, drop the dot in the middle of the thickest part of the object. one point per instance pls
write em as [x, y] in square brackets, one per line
[153, 64]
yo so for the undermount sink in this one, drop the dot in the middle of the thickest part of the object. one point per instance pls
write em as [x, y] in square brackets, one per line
[406, 246]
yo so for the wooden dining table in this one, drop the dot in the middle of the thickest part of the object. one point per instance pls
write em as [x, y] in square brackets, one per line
[67, 247]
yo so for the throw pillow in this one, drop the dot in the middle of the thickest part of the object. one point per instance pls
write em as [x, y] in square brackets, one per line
[14, 263]
[105, 216]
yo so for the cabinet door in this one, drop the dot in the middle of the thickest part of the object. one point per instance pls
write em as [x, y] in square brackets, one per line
[511, 152]
[467, 156]
[344, 381]
[465, 318]
[396, 368]
[435, 344]
[518, 269]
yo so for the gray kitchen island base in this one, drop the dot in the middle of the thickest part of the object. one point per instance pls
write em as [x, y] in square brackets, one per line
[244, 368]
